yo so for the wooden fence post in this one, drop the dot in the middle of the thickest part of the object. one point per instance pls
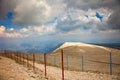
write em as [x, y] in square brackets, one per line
[62, 58]
[20, 57]
[27, 61]
[45, 64]
[33, 62]
[23, 58]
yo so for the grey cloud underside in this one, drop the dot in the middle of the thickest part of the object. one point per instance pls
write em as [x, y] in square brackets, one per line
[93, 4]
[68, 25]
[71, 25]
[114, 20]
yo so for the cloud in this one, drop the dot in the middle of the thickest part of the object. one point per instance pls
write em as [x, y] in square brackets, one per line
[26, 31]
[34, 12]
[37, 22]
[8, 34]
[109, 5]
[58, 7]
[114, 20]
[7, 6]
[13, 35]
[71, 15]
[92, 4]
[2, 30]
[75, 19]
[37, 30]
[83, 4]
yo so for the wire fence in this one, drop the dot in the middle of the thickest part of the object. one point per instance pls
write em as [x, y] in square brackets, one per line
[108, 62]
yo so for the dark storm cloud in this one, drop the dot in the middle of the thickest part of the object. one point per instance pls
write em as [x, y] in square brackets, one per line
[114, 19]
[113, 22]
[83, 4]
[32, 12]
[10, 5]
[7, 6]
[93, 4]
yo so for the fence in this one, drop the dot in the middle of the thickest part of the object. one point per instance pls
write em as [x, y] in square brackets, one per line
[104, 63]
[107, 62]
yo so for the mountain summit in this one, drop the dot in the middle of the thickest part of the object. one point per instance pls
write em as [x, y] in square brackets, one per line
[80, 46]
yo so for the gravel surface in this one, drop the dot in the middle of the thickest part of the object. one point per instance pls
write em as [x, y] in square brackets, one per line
[10, 70]
[73, 75]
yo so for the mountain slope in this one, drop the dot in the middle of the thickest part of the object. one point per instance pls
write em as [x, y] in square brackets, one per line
[78, 44]
[81, 48]
[95, 57]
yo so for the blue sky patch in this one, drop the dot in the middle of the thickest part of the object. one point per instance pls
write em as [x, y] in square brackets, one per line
[7, 22]
[100, 17]
[9, 15]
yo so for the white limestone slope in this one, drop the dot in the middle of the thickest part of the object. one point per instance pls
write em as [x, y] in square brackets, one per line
[79, 44]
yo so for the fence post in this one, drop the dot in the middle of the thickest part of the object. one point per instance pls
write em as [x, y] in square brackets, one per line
[33, 62]
[20, 57]
[23, 58]
[110, 63]
[27, 60]
[11, 55]
[45, 64]
[67, 61]
[62, 58]
[46, 59]
[5, 53]
[82, 63]
[17, 56]
[54, 60]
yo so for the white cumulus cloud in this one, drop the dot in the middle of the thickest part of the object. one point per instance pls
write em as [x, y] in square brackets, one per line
[9, 33]
[37, 30]
[2, 30]
[86, 19]
[32, 12]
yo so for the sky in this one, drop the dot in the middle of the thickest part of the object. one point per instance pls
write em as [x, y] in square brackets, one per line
[44, 24]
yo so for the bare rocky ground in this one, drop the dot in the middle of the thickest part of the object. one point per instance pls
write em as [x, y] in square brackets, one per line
[74, 75]
[10, 70]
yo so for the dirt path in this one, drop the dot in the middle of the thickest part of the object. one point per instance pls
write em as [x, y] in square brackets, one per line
[10, 70]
